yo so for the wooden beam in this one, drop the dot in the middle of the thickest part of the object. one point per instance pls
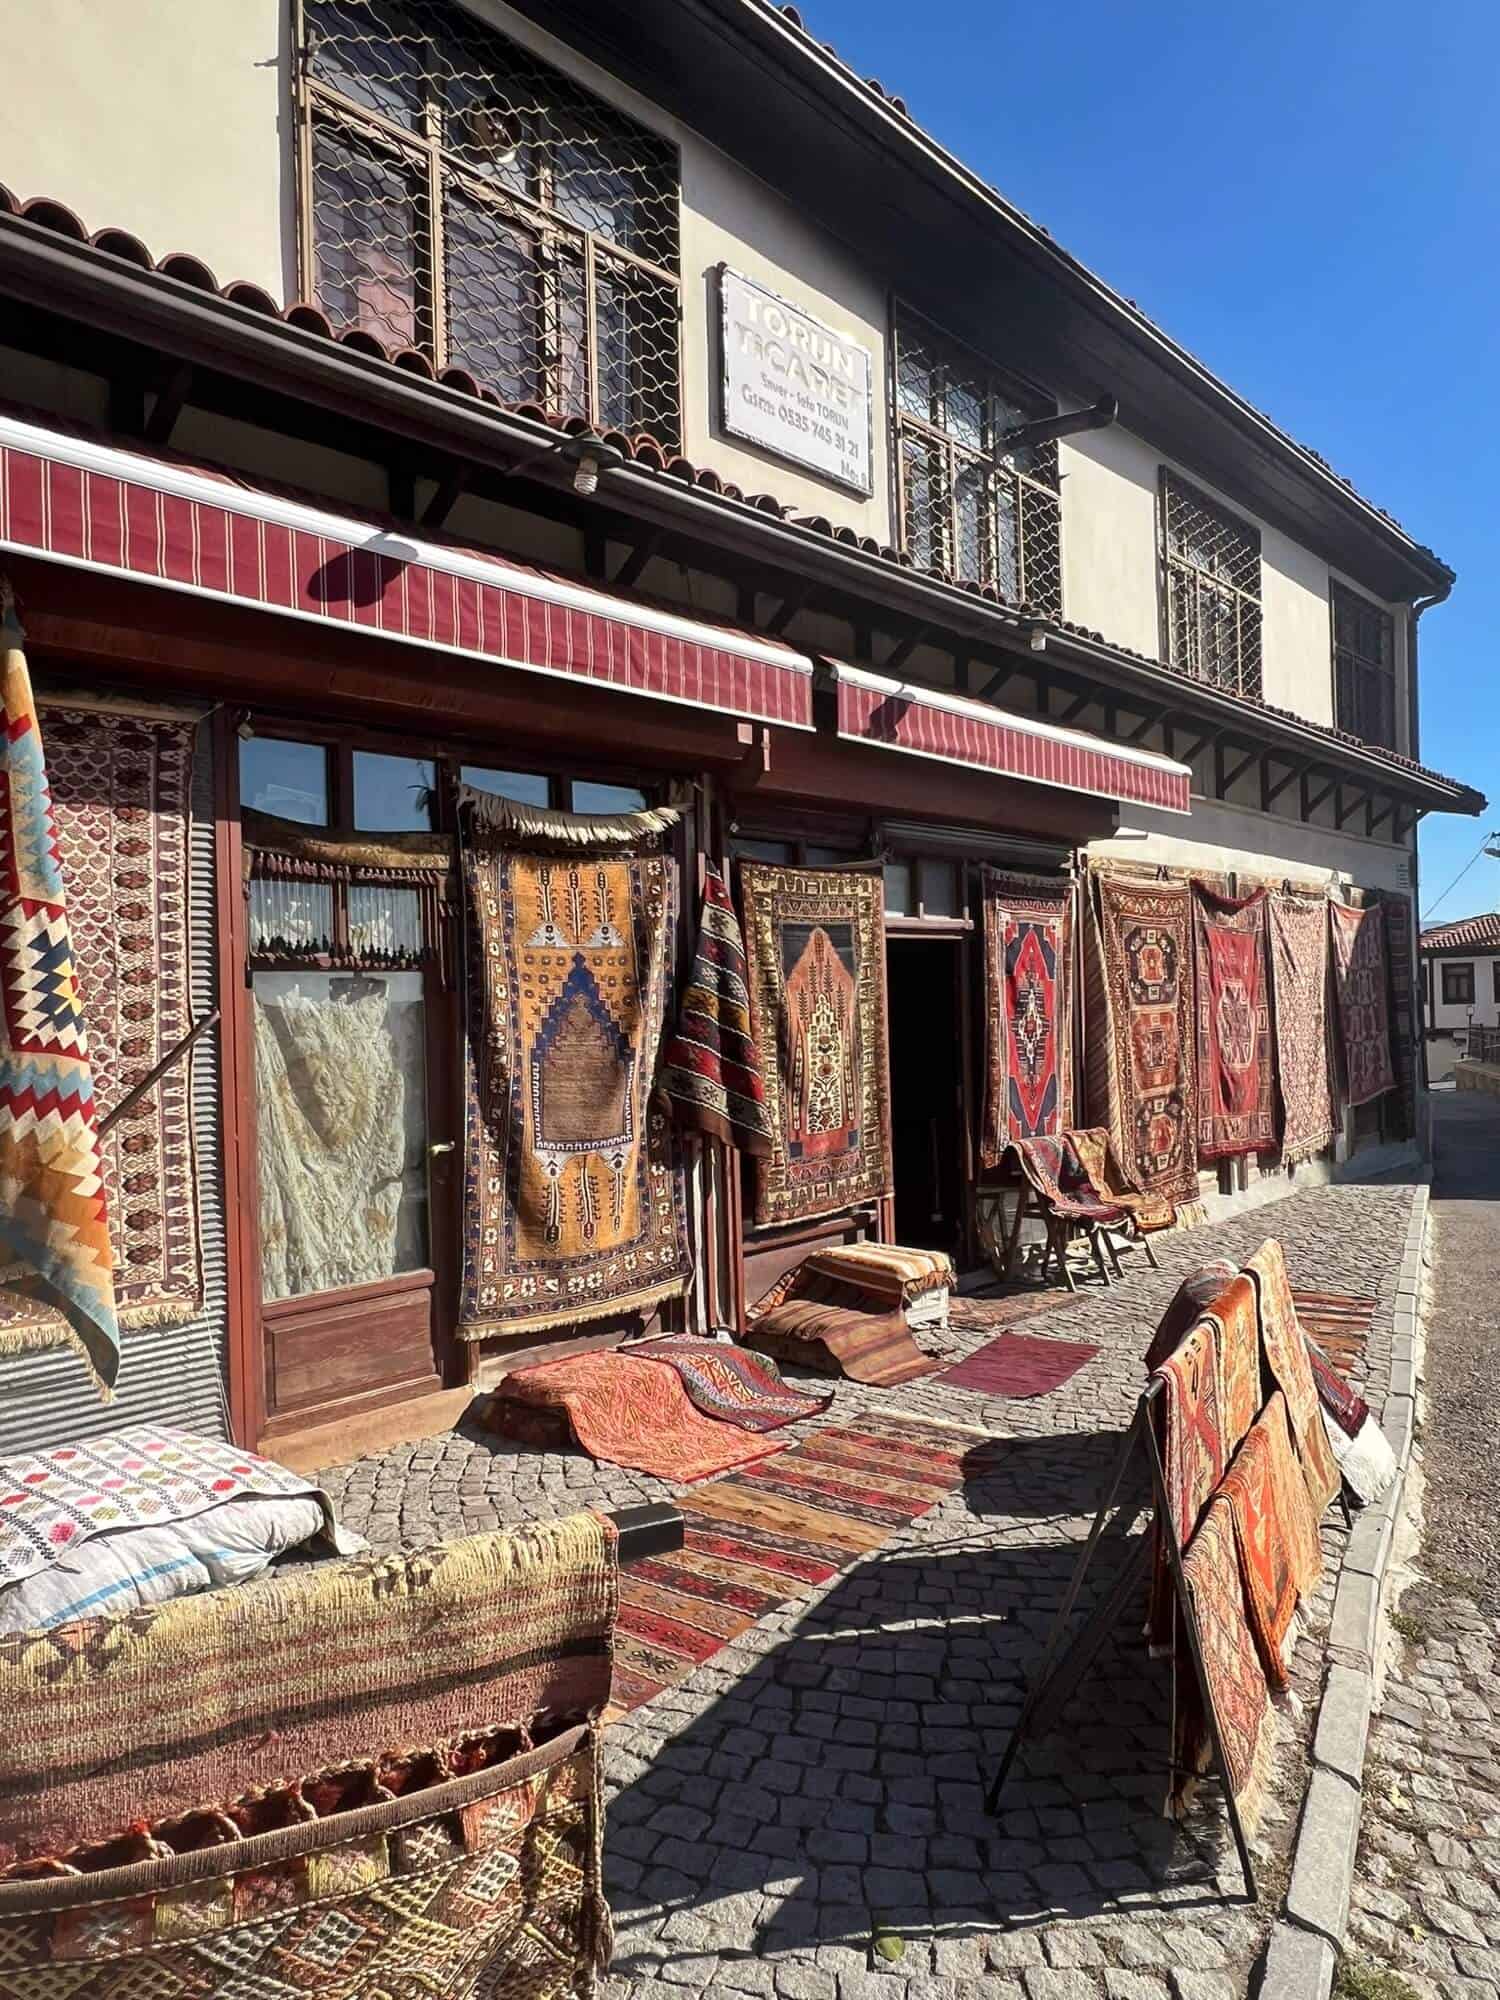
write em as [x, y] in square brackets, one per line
[1000, 678]
[1229, 781]
[1144, 727]
[744, 605]
[1373, 818]
[401, 489]
[1076, 707]
[787, 610]
[629, 572]
[1310, 805]
[1342, 813]
[595, 553]
[903, 649]
[1270, 793]
[450, 490]
[1194, 750]
[127, 405]
[961, 672]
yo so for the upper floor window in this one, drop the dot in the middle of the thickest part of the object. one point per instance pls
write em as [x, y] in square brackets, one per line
[968, 506]
[1364, 667]
[1212, 568]
[463, 198]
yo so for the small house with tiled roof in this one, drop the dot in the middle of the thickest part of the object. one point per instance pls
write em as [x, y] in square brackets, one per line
[1460, 985]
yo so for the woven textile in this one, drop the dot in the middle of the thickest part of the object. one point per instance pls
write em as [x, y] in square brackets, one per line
[1190, 1438]
[761, 1538]
[623, 1410]
[711, 1068]
[1094, 1153]
[1188, 1303]
[54, 1224]
[1051, 1166]
[1020, 1364]
[1360, 984]
[1236, 1085]
[832, 1339]
[1299, 989]
[1360, 1448]
[1285, 1351]
[1236, 1682]
[885, 1272]
[816, 942]
[1028, 998]
[176, 1708]
[574, 1205]
[1405, 1007]
[730, 1383]
[137, 1478]
[1275, 1535]
[1142, 1056]
[1235, 1312]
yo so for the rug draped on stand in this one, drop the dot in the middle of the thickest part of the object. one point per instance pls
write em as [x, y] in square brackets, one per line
[1096, 1155]
[816, 945]
[1236, 1084]
[1189, 1421]
[1237, 1684]
[761, 1538]
[55, 1238]
[1141, 1046]
[711, 1072]
[1280, 1556]
[1285, 1351]
[574, 1204]
[622, 1411]
[1235, 1312]
[1299, 991]
[1019, 1364]
[1028, 1000]
[1361, 983]
[730, 1383]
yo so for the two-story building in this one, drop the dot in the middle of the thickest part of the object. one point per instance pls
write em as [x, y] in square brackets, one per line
[602, 407]
[1460, 987]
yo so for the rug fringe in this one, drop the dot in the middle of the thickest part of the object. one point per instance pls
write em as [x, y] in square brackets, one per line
[575, 1315]
[37, 1339]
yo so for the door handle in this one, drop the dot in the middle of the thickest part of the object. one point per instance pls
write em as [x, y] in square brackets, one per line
[438, 1147]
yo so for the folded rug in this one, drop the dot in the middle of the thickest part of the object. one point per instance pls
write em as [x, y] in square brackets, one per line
[1285, 1350]
[1276, 1537]
[1188, 1416]
[727, 1382]
[623, 1412]
[1020, 1364]
[887, 1273]
[761, 1538]
[837, 1340]
[1360, 1447]
[1190, 1301]
[1096, 1156]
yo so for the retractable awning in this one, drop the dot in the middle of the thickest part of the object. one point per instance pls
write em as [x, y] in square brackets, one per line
[926, 722]
[189, 528]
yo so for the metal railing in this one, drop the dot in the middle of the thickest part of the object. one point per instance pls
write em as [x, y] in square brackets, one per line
[1483, 1045]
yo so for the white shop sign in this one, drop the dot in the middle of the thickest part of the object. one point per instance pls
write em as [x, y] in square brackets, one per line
[794, 386]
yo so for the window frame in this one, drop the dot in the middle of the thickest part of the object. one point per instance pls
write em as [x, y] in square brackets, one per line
[1361, 666]
[1458, 969]
[435, 171]
[1207, 588]
[1024, 490]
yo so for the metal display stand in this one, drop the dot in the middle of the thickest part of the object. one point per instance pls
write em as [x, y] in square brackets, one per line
[1062, 1667]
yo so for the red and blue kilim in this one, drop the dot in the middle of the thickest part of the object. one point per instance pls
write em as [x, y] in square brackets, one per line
[1028, 927]
[54, 1231]
[711, 1072]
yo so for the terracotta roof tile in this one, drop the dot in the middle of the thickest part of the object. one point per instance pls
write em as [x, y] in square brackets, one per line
[1482, 933]
[644, 452]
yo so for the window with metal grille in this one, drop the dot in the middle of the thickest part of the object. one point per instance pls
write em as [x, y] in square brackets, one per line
[1364, 667]
[968, 506]
[1212, 588]
[461, 197]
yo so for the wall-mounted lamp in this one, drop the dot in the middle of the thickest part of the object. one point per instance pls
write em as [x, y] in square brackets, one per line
[1096, 417]
[590, 455]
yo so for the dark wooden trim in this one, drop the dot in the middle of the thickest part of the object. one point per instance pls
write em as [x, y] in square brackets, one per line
[1228, 783]
[450, 490]
[1343, 813]
[1270, 793]
[1311, 805]
[167, 408]
[629, 573]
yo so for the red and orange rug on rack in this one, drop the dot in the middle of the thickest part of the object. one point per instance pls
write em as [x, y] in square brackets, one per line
[774, 1532]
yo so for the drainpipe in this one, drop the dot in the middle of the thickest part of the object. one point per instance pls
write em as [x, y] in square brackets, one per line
[1413, 749]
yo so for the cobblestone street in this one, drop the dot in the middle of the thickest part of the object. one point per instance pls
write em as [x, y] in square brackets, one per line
[819, 1782]
[1427, 1896]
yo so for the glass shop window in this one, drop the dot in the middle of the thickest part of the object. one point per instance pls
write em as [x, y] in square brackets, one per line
[285, 778]
[528, 788]
[393, 794]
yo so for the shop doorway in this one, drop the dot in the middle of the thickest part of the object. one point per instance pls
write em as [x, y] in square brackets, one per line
[928, 1126]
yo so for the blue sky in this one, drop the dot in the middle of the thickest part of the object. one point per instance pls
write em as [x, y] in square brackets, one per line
[1307, 195]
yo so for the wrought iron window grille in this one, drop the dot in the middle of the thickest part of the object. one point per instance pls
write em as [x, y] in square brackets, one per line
[1211, 588]
[967, 506]
[1364, 666]
[461, 197]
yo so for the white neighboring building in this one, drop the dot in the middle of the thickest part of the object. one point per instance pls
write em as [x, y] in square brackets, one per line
[1460, 986]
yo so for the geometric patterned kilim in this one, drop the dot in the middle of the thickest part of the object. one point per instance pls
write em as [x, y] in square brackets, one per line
[54, 1231]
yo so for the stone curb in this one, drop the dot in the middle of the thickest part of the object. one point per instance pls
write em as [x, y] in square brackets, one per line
[1301, 1956]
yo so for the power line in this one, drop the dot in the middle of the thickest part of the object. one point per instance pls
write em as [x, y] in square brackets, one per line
[1482, 848]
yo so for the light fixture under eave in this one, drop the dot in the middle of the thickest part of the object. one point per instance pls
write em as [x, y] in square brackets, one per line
[590, 455]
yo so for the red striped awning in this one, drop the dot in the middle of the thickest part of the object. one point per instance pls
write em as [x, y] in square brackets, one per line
[926, 722]
[189, 528]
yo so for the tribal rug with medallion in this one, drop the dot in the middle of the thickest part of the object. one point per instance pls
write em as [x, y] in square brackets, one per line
[1028, 998]
[1236, 1081]
[816, 945]
[1299, 988]
[1361, 984]
[1142, 1068]
[574, 1205]
[763, 1537]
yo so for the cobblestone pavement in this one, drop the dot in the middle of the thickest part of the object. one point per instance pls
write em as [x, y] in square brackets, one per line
[1426, 1897]
[819, 1782]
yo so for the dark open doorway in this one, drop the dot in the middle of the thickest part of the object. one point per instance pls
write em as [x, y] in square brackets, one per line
[927, 1071]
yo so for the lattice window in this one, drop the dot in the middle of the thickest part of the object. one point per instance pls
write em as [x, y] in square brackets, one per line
[1364, 667]
[967, 506]
[1212, 562]
[461, 197]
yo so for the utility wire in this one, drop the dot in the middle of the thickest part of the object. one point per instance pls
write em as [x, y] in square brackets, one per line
[1479, 850]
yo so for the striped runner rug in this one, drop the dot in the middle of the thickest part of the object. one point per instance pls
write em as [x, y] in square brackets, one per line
[774, 1532]
[1341, 1326]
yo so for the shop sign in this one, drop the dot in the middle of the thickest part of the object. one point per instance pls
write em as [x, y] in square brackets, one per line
[793, 386]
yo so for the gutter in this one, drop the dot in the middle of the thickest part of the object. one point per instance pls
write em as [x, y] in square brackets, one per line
[1422, 1013]
[168, 315]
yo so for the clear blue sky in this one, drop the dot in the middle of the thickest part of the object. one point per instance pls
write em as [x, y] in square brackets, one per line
[1307, 195]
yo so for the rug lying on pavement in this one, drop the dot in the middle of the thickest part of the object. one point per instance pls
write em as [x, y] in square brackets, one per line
[1337, 1329]
[1020, 1364]
[758, 1539]
[727, 1382]
[984, 1315]
[621, 1411]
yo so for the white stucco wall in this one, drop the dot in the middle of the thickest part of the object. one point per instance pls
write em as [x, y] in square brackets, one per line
[1449, 1014]
[168, 118]
[1111, 570]
[1218, 838]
